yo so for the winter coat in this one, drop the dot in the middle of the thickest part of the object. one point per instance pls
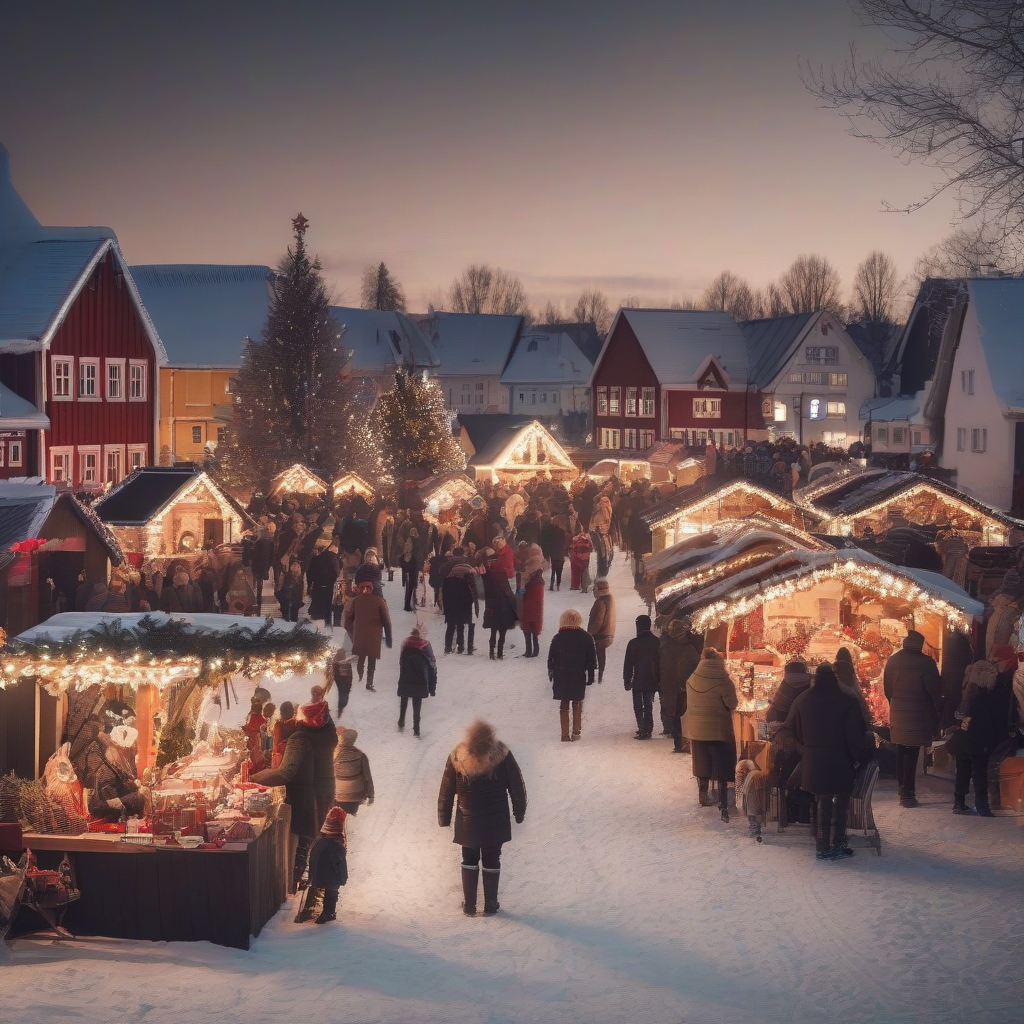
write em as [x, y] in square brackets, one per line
[328, 863]
[914, 691]
[602, 620]
[679, 658]
[417, 669]
[458, 596]
[572, 661]
[710, 701]
[307, 773]
[352, 536]
[186, 599]
[283, 728]
[581, 549]
[499, 601]
[641, 669]
[366, 619]
[794, 684]
[999, 630]
[849, 684]
[505, 561]
[553, 542]
[532, 616]
[260, 555]
[370, 572]
[484, 785]
[353, 782]
[290, 595]
[320, 576]
[827, 724]
[601, 518]
[985, 706]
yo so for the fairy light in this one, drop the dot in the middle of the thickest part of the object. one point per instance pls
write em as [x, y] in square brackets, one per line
[297, 479]
[832, 482]
[348, 482]
[522, 455]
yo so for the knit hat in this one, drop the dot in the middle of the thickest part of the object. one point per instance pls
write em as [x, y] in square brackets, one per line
[334, 823]
[679, 628]
[602, 586]
[643, 623]
[570, 619]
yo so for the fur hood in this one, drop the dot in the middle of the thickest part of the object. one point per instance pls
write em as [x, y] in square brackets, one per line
[981, 674]
[471, 767]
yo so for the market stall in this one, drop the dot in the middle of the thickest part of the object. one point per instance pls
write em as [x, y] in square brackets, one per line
[147, 788]
[519, 452]
[627, 470]
[298, 480]
[350, 485]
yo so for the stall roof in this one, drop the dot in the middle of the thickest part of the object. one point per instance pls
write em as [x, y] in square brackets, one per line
[481, 429]
[285, 481]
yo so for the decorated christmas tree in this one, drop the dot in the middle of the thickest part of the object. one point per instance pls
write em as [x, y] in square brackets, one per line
[413, 428]
[294, 399]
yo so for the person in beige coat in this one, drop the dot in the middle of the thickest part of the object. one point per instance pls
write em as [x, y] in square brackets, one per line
[602, 623]
[707, 724]
[353, 783]
[366, 620]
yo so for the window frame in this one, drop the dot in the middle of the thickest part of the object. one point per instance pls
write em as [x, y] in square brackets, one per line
[133, 450]
[19, 443]
[119, 365]
[897, 435]
[838, 414]
[970, 382]
[69, 363]
[707, 408]
[881, 435]
[961, 439]
[66, 454]
[194, 428]
[614, 393]
[631, 397]
[646, 438]
[83, 363]
[979, 440]
[143, 365]
[84, 451]
[628, 436]
[602, 401]
[647, 402]
[838, 380]
[117, 450]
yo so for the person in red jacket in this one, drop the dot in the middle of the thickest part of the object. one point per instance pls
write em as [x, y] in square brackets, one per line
[504, 558]
[579, 561]
[531, 595]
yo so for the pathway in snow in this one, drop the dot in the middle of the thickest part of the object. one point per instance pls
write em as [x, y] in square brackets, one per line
[621, 899]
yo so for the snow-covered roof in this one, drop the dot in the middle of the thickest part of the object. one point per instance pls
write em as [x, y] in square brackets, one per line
[471, 344]
[546, 358]
[771, 342]
[903, 408]
[204, 312]
[998, 305]
[17, 413]
[381, 338]
[679, 342]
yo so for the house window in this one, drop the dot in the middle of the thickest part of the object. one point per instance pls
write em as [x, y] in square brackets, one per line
[60, 465]
[648, 400]
[479, 387]
[630, 404]
[229, 383]
[897, 435]
[609, 438]
[826, 354]
[629, 435]
[970, 382]
[543, 398]
[602, 401]
[522, 397]
[837, 380]
[15, 459]
[62, 379]
[979, 438]
[222, 433]
[882, 435]
[197, 435]
[479, 399]
[796, 378]
[613, 403]
[3, 453]
[113, 465]
[961, 439]
[646, 438]
[115, 380]
[918, 436]
[465, 387]
[835, 410]
[88, 374]
[780, 412]
[88, 465]
[137, 456]
[707, 408]
[137, 376]
[533, 398]
[531, 345]
[554, 398]
[504, 398]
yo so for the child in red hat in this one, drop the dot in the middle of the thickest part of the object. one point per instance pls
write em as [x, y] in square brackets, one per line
[328, 869]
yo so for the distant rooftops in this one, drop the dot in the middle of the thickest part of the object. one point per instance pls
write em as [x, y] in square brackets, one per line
[543, 357]
[380, 338]
[471, 344]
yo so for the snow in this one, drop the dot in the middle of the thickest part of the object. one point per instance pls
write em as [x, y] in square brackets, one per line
[621, 899]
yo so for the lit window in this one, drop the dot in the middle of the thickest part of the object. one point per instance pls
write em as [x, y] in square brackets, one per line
[815, 408]
[781, 412]
[961, 439]
[89, 465]
[613, 403]
[602, 401]
[796, 378]
[648, 400]
[62, 379]
[837, 380]
[137, 376]
[88, 372]
[197, 435]
[836, 410]
[897, 435]
[979, 437]
[631, 403]
[827, 354]
[707, 408]
[115, 380]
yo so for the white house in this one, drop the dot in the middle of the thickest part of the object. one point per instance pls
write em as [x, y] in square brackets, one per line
[473, 350]
[547, 376]
[812, 375]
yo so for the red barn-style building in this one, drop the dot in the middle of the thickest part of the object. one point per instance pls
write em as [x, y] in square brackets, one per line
[78, 353]
[674, 374]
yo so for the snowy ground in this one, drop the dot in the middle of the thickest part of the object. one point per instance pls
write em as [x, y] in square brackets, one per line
[621, 899]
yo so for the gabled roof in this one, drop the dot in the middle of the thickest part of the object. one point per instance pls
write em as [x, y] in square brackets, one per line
[17, 413]
[875, 341]
[771, 343]
[502, 442]
[381, 338]
[904, 408]
[482, 428]
[204, 312]
[471, 344]
[586, 337]
[677, 343]
[998, 305]
[297, 479]
[542, 357]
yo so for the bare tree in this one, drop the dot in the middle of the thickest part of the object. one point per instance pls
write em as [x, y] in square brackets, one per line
[876, 289]
[950, 93]
[967, 252]
[769, 302]
[551, 314]
[729, 294]
[380, 289]
[592, 308]
[482, 289]
[811, 283]
[632, 302]
[683, 304]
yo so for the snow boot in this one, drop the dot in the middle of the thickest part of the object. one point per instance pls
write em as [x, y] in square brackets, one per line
[577, 720]
[960, 805]
[470, 878]
[702, 793]
[982, 809]
[491, 904]
[490, 649]
[563, 718]
[753, 827]
[330, 905]
[309, 904]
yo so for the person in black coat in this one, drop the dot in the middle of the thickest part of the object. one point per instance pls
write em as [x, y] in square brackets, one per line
[320, 577]
[328, 869]
[307, 773]
[460, 603]
[258, 557]
[795, 681]
[572, 662]
[499, 605]
[641, 673]
[352, 534]
[827, 725]
[482, 773]
[679, 656]
[417, 676]
[554, 542]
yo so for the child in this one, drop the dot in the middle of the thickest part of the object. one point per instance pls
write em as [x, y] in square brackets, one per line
[328, 869]
[341, 671]
[353, 783]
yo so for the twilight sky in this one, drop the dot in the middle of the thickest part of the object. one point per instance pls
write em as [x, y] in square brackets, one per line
[640, 147]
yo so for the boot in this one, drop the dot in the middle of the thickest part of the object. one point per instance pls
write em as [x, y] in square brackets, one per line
[563, 717]
[908, 796]
[577, 720]
[470, 877]
[469, 640]
[330, 904]
[490, 648]
[723, 800]
[960, 805]
[501, 649]
[299, 866]
[491, 904]
[702, 793]
[308, 906]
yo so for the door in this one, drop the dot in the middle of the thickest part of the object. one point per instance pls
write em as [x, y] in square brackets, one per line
[213, 532]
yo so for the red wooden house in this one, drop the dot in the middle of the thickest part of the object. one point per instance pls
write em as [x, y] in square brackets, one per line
[674, 374]
[78, 353]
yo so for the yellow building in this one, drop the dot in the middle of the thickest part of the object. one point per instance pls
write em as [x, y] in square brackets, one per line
[195, 409]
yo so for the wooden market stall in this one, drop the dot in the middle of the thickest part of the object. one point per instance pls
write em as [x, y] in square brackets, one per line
[145, 789]
[626, 470]
[296, 480]
[350, 485]
[515, 453]
[698, 507]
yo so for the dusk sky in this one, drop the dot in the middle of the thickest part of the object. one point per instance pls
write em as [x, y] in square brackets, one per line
[638, 147]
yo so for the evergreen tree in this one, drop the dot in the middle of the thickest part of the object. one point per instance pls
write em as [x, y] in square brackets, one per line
[380, 289]
[293, 400]
[414, 428]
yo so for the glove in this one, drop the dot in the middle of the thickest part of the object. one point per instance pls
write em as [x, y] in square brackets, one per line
[519, 819]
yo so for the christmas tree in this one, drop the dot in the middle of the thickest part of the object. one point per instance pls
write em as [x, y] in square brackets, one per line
[294, 397]
[413, 428]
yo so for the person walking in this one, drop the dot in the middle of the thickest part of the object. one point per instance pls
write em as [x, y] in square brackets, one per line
[460, 604]
[641, 673]
[827, 725]
[680, 655]
[328, 869]
[913, 688]
[601, 625]
[411, 566]
[554, 541]
[482, 774]
[290, 594]
[579, 561]
[499, 603]
[353, 782]
[572, 661]
[417, 676]
[707, 724]
[320, 576]
[366, 621]
[531, 599]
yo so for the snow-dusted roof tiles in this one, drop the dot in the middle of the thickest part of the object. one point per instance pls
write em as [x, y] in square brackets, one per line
[544, 358]
[471, 344]
[998, 305]
[770, 343]
[379, 338]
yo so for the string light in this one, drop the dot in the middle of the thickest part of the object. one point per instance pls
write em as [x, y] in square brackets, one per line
[522, 455]
[352, 481]
[297, 479]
